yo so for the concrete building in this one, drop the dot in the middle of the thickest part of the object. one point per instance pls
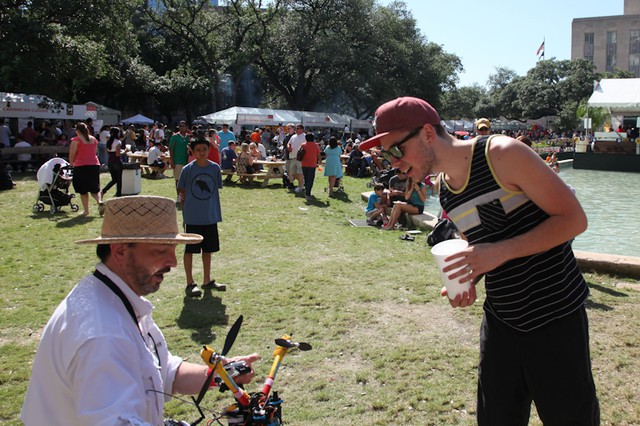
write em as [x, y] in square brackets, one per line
[609, 42]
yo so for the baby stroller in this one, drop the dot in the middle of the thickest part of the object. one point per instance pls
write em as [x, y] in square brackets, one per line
[54, 178]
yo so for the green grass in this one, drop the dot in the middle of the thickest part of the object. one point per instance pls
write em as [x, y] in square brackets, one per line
[387, 348]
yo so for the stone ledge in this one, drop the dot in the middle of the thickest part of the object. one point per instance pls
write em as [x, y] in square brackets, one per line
[627, 266]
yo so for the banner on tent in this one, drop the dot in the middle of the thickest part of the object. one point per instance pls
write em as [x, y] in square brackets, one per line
[254, 119]
[32, 110]
[317, 121]
[361, 124]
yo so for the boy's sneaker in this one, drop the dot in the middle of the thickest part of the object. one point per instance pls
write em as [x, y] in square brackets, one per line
[213, 285]
[297, 190]
[192, 290]
[370, 222]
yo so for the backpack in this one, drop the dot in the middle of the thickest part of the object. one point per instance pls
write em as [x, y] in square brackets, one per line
[6, 181]
[444, 230]
[300, 154]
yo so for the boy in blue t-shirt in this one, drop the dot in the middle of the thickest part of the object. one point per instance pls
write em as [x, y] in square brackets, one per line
[376, 208]
[198, 186]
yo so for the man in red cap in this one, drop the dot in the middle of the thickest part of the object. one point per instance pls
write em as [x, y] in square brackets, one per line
[518, 217]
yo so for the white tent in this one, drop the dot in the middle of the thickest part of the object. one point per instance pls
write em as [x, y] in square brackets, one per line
[248, 115]
[273, 117]
[617, 94]
[456, 125]
[138, 119]
[23, 106]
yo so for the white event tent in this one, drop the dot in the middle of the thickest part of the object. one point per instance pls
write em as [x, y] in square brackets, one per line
[273, 117]
[619, 95]
[23, 106]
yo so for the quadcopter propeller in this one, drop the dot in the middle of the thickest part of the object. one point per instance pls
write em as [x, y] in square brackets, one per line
[303, 346]
[228, 343]
[231, 336]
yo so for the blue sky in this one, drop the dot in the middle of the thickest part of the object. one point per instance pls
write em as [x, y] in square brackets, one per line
[486, 34]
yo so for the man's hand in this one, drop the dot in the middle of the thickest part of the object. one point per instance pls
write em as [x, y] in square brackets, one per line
[245, 378]
[465, 299]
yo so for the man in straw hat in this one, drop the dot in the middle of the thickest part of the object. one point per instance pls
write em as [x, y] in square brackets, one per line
[102, 359]
[518, 217]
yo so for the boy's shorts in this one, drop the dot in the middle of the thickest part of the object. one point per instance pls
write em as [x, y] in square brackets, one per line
[210, 242]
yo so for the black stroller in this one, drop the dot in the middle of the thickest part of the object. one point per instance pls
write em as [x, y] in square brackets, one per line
[54, 179]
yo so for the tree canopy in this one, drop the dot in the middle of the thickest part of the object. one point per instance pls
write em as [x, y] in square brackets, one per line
[187, 56]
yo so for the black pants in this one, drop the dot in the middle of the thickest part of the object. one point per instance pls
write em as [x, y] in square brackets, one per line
[550, 365]
[115, 169]
[309, 174]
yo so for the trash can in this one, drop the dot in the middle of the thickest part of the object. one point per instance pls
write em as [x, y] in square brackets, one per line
[131, 179]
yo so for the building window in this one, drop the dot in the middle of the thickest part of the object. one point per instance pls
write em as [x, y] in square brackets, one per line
[612, 50]
[588, 46]
[634, 41]
[634, 63]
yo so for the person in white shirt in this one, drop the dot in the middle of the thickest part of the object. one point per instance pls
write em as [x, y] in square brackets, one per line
[154, 159]
[158, 134]
[102, 360]
[294, 166]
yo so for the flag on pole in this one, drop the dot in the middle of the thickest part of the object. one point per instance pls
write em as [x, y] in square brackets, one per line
[540, 49]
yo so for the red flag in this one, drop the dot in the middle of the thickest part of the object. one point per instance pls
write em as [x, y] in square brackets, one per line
[540, 49]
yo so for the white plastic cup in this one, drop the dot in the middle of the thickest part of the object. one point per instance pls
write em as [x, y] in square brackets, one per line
[445, 249]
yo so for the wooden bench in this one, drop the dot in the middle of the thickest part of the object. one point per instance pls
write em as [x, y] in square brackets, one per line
[262, 175]
[148, 171]
[39, 154]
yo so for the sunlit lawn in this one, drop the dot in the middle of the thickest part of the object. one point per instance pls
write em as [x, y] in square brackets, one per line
[387, 348]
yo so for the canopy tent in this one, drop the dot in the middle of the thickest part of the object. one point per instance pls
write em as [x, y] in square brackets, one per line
[616, 94]
[461, 125]
[361, 124]
[248, 115]
[138, 119]
[23, 106]
[274, 117]
[108, 115]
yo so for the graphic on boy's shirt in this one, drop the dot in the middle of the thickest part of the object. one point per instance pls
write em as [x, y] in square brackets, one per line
[202, 186]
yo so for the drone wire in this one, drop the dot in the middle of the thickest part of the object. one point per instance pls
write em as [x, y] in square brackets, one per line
[216, 416]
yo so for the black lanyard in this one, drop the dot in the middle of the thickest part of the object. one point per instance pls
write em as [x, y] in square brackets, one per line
[107, 281]
[102, 277]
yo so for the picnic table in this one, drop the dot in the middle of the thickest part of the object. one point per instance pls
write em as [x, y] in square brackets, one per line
[274, 169]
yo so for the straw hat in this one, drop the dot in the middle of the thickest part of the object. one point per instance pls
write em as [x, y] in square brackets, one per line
[141, 219]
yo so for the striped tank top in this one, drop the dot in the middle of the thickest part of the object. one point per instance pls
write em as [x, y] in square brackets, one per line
[527, 292]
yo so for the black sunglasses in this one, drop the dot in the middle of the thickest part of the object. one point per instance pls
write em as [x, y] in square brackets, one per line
[394, 150]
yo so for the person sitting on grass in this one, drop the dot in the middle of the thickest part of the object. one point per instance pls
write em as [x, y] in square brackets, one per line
[375, 211]
[415, 196]
[198, 186]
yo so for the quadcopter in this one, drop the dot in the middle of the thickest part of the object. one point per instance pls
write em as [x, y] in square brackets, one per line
[258, 408]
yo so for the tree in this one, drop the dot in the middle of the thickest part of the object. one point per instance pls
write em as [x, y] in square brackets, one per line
[462, 102]
[63, 42]
[551, 88]
[347, 55]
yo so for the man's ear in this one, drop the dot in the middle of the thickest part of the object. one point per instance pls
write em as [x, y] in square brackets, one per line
[429, 132]
[119, 251]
